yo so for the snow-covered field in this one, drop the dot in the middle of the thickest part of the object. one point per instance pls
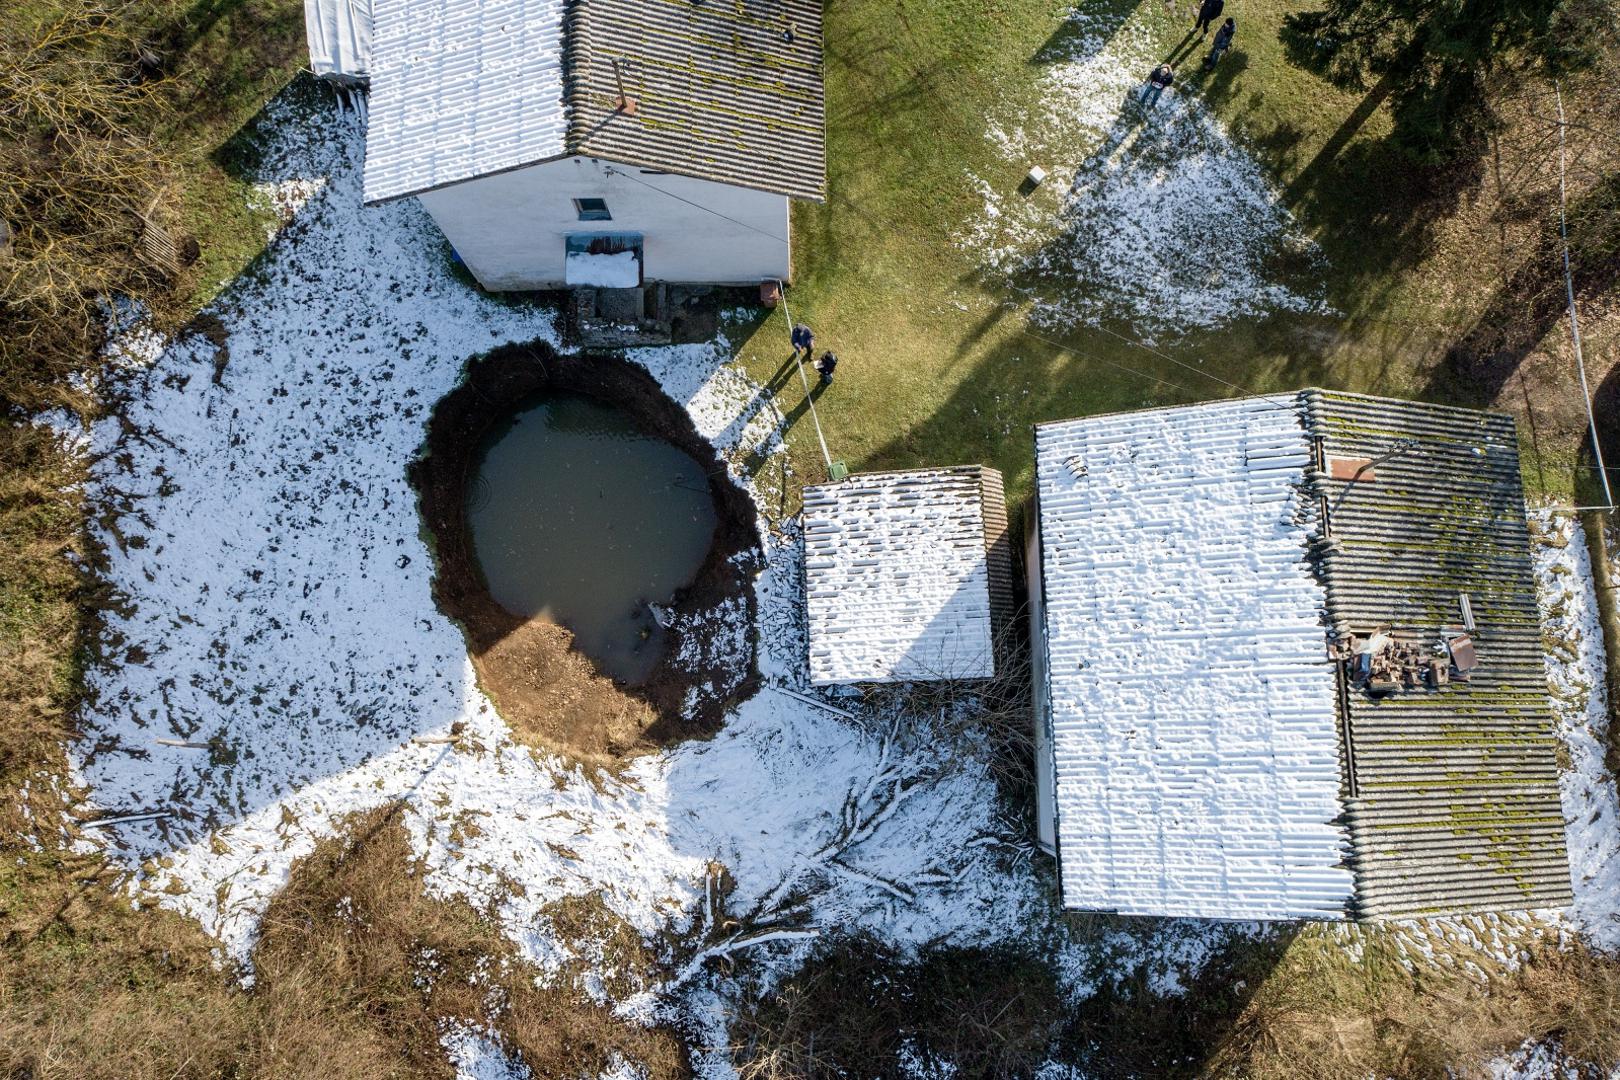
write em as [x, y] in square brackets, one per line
[1153, 217]
[277, 608]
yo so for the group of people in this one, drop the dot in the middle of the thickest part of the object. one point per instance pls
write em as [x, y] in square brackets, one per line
[804, 340]
[1164, 75]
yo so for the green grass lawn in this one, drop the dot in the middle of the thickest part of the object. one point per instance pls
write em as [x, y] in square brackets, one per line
[936, 365]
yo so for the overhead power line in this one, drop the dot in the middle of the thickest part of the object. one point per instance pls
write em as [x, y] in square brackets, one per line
[611, 171]
[1569, 292]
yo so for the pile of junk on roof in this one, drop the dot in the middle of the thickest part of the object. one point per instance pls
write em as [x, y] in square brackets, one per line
[1382, 663]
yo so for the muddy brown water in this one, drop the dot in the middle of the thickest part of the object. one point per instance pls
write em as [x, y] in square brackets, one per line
[579, 517]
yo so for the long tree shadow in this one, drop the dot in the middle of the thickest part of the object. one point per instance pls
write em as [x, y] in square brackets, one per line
[1085, 34]
[1534, 299]
[1371, 210]
[859, 1007]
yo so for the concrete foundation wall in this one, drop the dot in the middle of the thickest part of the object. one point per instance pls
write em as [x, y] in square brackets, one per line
[511, 228]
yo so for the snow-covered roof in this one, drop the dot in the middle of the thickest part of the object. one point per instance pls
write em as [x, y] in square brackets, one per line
[903, 575]
[728, 92]
[461, 90]
[1193, 707]
[339, 35]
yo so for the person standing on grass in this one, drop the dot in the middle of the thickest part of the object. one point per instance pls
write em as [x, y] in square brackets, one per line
[1223, 41]
[1208, 12]
[1157, 83]
[825, 366]
[804, 339]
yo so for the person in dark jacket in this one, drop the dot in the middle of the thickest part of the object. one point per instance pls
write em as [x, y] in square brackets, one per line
[1157, 83]
[1222, 42]
[825, 366]
[804, 339]
[1208, 12]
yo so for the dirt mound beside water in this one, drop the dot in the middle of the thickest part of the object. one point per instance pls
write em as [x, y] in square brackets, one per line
[552, 695]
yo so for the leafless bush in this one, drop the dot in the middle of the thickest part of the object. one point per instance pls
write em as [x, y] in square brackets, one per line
[995, 714]
[80, 175]
[860, 1009]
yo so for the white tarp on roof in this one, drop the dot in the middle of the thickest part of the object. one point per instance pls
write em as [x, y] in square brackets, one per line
[896, 578]
[1194, 730]
[461, 90]
[339, 33]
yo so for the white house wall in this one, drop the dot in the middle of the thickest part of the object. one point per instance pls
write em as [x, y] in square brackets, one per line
[510, 229]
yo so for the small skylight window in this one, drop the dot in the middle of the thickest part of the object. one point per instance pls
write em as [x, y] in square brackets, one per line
[592, 210]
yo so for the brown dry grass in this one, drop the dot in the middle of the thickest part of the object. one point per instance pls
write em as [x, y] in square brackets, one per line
[356, 972]
[78, 170]
[41, 594]
[1319, 1014]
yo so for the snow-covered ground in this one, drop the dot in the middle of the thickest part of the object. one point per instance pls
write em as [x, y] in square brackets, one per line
[277, 609]
[1541, 1061]
[1574, 643]
[1151, 216]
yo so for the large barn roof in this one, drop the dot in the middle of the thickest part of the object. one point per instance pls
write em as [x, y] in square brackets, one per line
[907, 575]
[1192, 705]
[730, 92]
[1198, 563]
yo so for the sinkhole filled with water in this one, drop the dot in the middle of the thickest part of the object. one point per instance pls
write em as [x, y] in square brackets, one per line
[579, 517]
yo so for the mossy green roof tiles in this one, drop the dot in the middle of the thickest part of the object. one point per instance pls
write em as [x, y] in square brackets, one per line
[724, 90]
[1451, 793]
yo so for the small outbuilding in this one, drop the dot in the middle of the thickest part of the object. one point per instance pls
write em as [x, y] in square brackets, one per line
[605, 143]
[1288, 663]
[908, 576]
[339, 37]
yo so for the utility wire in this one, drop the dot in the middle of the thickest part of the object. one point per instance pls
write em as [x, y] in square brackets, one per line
[808, 397]
[706, 209]
[1247, 391]
[1179, 363]
[1569, 290]
[1267, 398]
[1122, 367]
[1097, 359]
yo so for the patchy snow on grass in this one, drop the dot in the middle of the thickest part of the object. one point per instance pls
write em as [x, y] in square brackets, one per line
[1539, 1061]
[1575, 675]
[275, 617]
[1153, 216]
[476, 1055]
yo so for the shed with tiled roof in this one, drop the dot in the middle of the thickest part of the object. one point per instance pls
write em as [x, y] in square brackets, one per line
[908, 576]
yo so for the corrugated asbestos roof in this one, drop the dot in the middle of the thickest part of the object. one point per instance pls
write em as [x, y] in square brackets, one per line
[899, 583]
[720, 94]
[339, 37]
[1456, 804]
[462, 89]
[1179, 636]
[1192, 704]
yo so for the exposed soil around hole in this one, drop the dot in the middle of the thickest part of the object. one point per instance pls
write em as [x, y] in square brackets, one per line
[551, 694]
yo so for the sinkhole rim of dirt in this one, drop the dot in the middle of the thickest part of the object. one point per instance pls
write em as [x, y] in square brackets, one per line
[553, 695]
